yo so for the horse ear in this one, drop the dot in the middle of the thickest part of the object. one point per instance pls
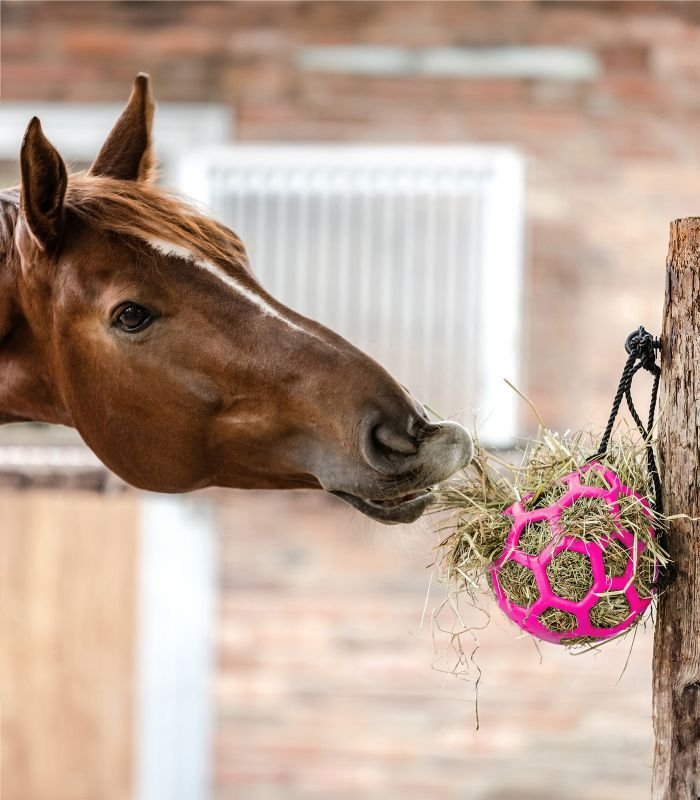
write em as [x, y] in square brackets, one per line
[44, 181]
[127, 153]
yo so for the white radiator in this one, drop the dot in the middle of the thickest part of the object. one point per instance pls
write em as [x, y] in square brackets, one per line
[412, 253]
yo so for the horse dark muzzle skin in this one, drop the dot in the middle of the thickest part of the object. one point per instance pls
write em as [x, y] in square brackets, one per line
[442, 448]
[131, 316]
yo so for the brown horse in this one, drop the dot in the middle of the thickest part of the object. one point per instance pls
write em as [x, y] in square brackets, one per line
[129, 315]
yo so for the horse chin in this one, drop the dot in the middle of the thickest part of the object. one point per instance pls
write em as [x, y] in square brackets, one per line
[405, 509]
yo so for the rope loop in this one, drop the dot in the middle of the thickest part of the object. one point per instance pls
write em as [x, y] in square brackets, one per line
[641, 349]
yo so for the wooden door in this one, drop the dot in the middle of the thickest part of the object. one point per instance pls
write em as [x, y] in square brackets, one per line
[67, 640]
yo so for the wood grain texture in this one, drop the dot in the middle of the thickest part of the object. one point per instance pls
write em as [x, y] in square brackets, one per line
[677, 635]
[67, 564]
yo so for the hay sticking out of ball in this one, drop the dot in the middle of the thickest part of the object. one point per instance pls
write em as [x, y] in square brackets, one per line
[570, 575]
[558, 621]
[610, 610]
[474, 534]
[534, 538]
[588, 518]
[519, 584]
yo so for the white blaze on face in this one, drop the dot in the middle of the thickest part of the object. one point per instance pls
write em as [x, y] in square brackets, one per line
[176, 250]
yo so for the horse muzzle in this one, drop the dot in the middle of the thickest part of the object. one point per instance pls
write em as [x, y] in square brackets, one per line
[405, 467]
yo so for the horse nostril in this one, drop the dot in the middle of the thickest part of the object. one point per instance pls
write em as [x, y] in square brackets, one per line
[426, 431]
[392, 441]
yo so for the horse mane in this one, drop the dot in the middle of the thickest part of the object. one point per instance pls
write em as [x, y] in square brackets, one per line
[9, 211]
[140, 210]
[137, 210]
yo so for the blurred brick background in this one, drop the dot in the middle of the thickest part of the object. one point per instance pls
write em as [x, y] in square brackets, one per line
[327, 689]
[610, 159]
[324, 684]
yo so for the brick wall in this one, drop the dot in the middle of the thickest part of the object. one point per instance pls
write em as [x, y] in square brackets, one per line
[324, 687]
[611, 159]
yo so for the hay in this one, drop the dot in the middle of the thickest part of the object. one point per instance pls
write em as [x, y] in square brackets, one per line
[476, 529]
[534, 538]
[519, 584]
[588, 518]
[615, 559]
[570, 575]
[558, 621]
[610, 610]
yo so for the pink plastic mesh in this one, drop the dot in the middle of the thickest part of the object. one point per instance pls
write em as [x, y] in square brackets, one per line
[528, 618]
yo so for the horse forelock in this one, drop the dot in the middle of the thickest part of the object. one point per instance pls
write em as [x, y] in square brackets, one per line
[165, 223]
[140, 211]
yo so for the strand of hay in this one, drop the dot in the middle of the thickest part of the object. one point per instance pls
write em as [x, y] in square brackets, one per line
[475, 529]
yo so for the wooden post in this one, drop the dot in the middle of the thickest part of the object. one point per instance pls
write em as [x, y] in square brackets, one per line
[677, 635]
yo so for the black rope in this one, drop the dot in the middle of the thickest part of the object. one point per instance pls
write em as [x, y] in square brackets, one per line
[641, 347]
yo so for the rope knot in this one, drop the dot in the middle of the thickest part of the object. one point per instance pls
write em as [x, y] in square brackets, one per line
[643, 346]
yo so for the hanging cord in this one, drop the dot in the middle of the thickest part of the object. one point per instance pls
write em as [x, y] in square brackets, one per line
[641, 347]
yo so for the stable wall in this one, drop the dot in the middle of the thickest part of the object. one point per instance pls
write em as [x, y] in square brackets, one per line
[613, 152]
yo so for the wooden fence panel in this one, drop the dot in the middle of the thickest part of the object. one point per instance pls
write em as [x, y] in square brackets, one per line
[67, 616]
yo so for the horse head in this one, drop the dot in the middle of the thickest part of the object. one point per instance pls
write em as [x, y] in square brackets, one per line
[134, 317]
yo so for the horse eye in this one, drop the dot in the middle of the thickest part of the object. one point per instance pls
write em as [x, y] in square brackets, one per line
[132, 318]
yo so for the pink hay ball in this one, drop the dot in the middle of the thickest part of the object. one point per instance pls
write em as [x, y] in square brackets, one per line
[578, 611]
